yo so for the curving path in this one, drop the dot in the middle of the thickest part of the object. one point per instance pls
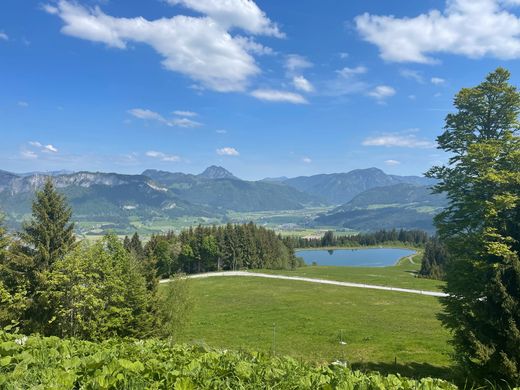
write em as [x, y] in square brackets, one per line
[312, 280]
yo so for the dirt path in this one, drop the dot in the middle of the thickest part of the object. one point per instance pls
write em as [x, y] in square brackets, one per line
[312, 280]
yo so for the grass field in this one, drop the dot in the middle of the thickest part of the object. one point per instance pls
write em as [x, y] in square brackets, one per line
[385, 331]
[402, 275]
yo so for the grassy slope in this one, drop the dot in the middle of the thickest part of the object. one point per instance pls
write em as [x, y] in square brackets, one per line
[377, 326]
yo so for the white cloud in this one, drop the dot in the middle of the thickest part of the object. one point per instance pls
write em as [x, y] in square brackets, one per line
[295, 62]
[44, 148]
[227, 151]
[221, 131]
[23, 104]
[183, 122]
[28, 155]
[302, 84]
[3, 36]
[343, 55]
[145, 114]
[349, 72]
[382, 92]
[251, 46]
[307, 160]
[162, 156]
[437, 80]
[398, 140]
[412, 75]
[273, 95]
[200, 47]
[243, 14]
[184, 113]
[392, 162]
[472, 28]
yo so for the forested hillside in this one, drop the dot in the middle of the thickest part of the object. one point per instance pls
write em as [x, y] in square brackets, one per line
[402, 206]
[338, 188]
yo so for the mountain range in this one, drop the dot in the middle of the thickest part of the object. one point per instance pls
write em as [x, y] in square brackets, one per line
[400, 206]
[363, 197]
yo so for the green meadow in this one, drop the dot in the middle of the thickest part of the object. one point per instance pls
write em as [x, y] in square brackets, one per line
[369, 329]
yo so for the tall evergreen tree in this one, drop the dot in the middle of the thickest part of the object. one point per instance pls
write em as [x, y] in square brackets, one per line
[481, 228]
[50, 233]
[435, 258]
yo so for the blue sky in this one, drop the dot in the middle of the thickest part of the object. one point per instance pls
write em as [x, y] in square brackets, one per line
[265, 88]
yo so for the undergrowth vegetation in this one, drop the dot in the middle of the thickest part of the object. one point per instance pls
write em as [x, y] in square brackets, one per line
[51, 363]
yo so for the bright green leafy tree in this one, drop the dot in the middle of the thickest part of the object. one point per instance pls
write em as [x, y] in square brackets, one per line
[13, 283]
[481, 228]
[99, 291]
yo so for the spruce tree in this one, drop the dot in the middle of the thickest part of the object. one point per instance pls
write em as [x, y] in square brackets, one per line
[50, 234]
[481, 228]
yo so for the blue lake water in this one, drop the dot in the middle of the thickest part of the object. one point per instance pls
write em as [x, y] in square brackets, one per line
[373, 257]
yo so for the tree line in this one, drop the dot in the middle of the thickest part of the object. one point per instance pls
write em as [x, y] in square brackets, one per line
[381, 237]
[215, 248]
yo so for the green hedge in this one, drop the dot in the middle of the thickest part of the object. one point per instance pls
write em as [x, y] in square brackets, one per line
[51, 363]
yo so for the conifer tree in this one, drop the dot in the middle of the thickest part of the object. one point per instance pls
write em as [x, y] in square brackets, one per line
[50, 233]
[481, 228]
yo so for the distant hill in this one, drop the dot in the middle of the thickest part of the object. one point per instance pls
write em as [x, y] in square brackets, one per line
[401, 205]
[103, 197]
[339, 188]
[370, 198]
[220, 189]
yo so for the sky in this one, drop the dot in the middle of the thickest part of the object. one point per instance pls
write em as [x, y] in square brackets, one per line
[264, 88]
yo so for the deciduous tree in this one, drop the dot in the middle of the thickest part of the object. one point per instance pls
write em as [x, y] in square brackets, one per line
[481, 227]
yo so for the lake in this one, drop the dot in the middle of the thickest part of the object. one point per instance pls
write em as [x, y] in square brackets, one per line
[373, 257]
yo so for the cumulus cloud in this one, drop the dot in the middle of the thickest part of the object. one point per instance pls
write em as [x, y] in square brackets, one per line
[302, 84]
[23, 104]
[392, 163]
[3, 36]
[273, 95]
[44, 148]
[243, 14]
[399, 140]
[382, 92]
[307, 160]
[437, 80]
[146, 114]
[201, 48]
[221, 131]
[162, 156]
[472, 28]
[227, 151]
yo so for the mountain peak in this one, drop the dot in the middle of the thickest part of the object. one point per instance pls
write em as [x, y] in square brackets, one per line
[216, 172]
